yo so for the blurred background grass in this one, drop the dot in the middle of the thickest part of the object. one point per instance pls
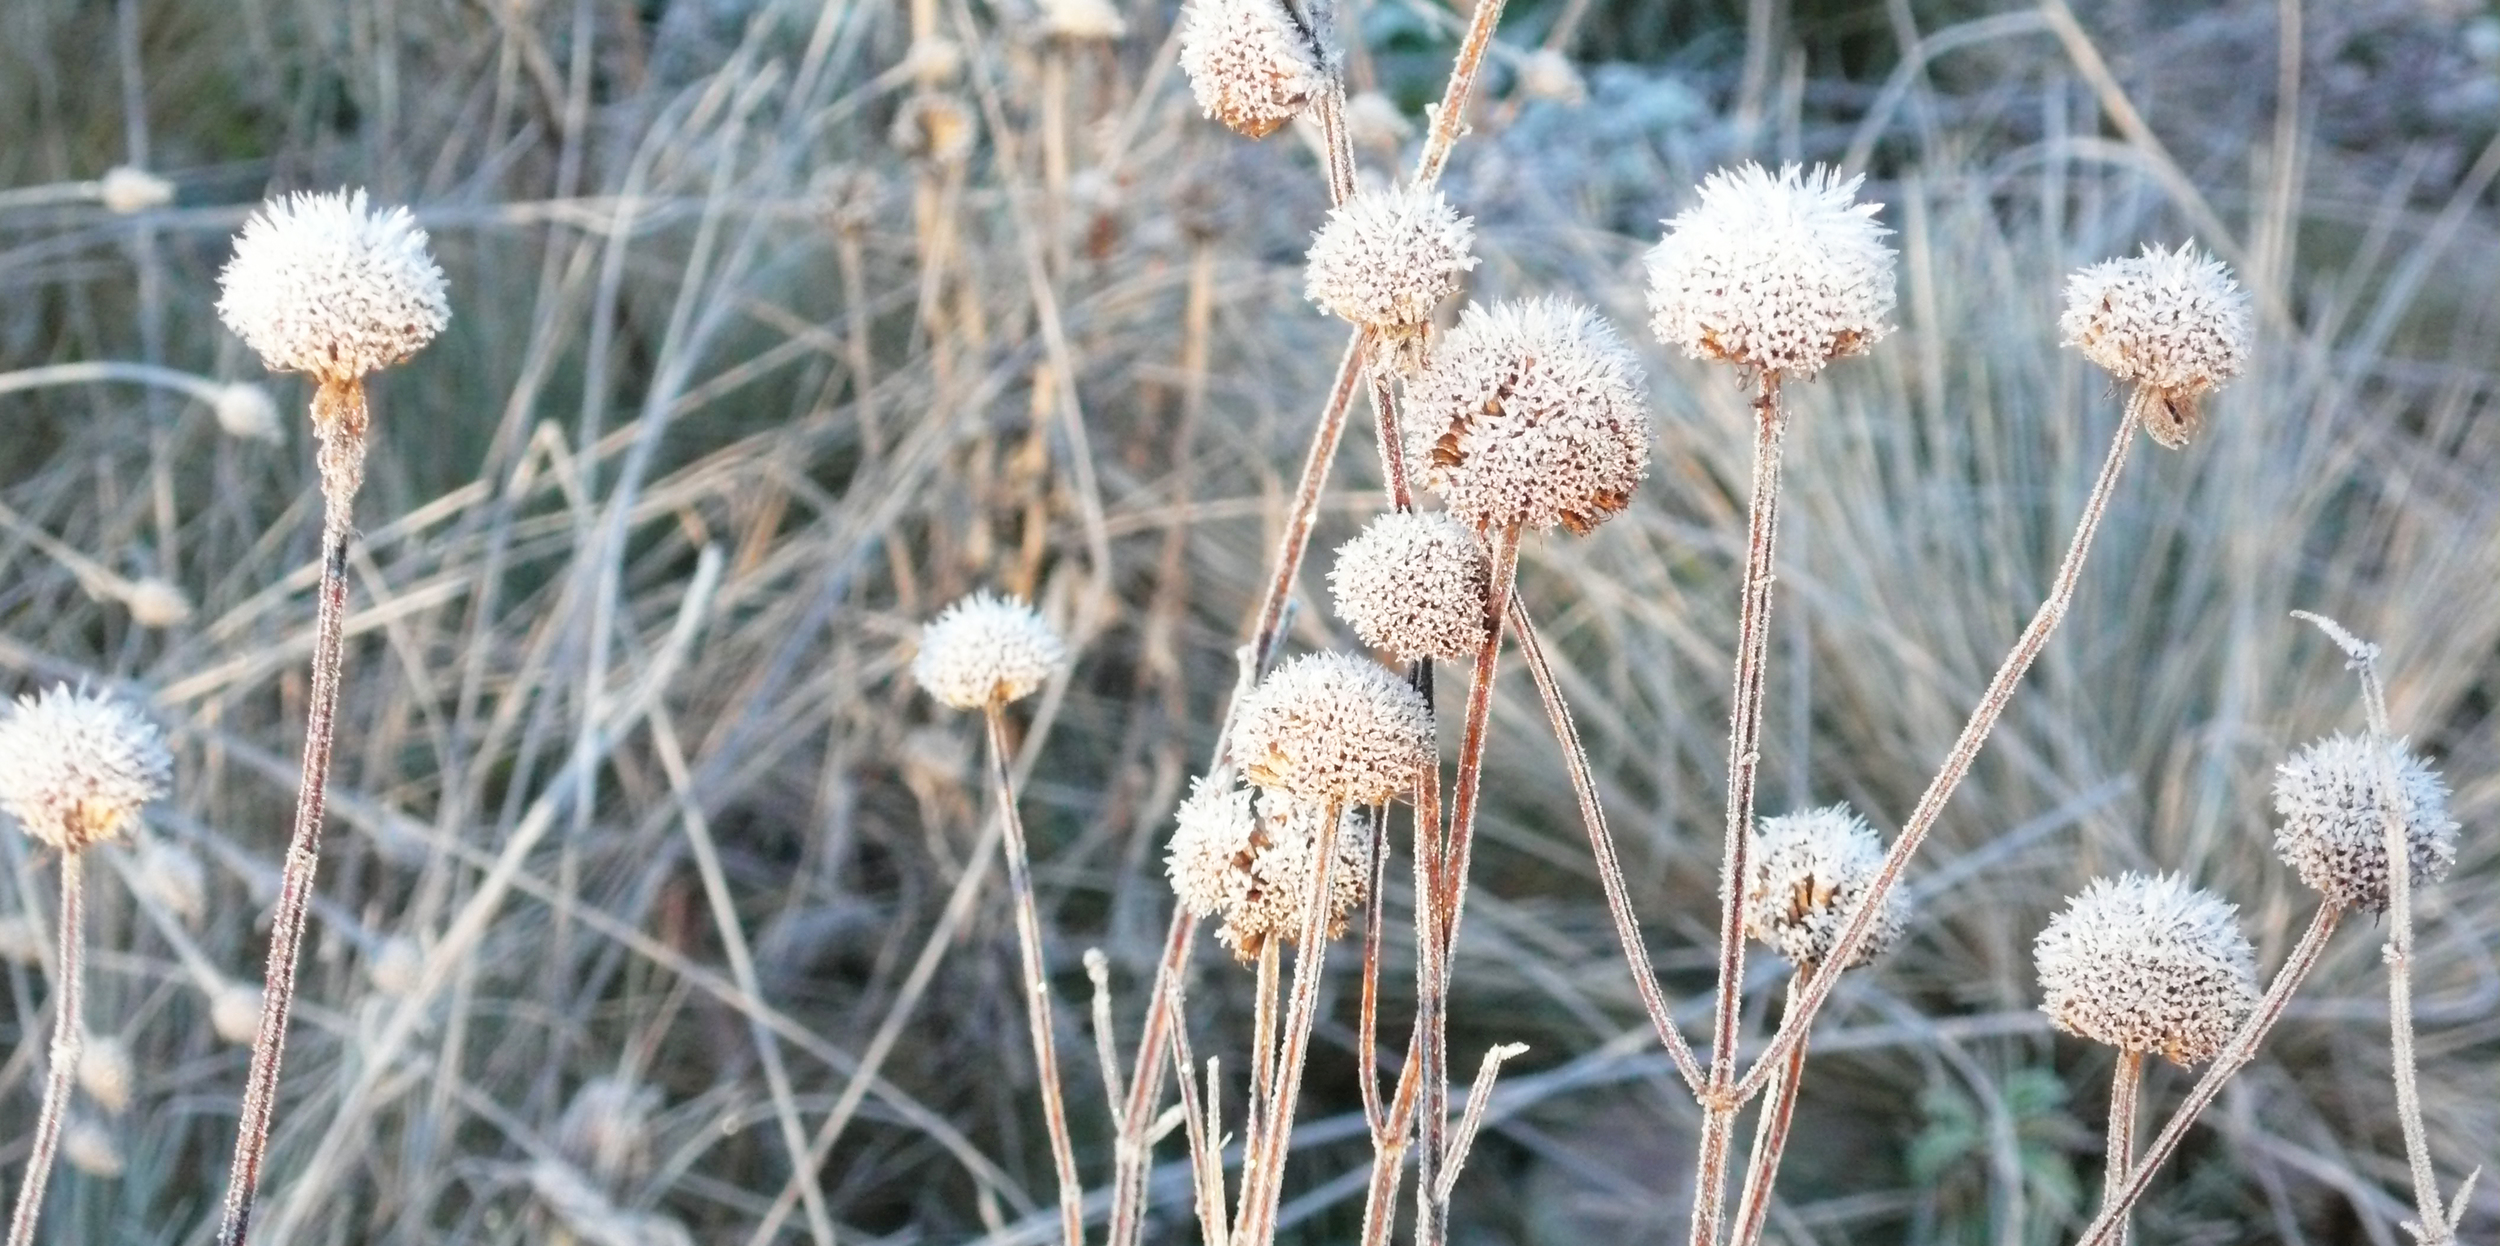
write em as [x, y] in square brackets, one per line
[641, 857]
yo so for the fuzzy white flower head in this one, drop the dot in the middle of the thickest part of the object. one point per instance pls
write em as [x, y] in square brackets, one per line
[2147, 963]
[1252, 63]
[2334, 834]
[1213, 842]
[1806, 872]
[157, 602]
[1413, 584]
[126, 189]
[245, 410]
[106, 1071]
[1784, 272]
[1529, 413]
[234, 1011]
[319, 284]
[1284, 867]
[76, 766]
[89, 1148]
[1386, 258]
[1333, 727]
[986, 647]
[2171, 321]
[1082, 19]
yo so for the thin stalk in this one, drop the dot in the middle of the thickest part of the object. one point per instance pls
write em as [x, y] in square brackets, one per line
[2238, 1052]
[1770, 1140]
[338, 414]
[1448, 118]
[1389, 1153]
[1309, 961]
[1036, 987]
[2124, 1091]
[68, 1036]
[1958, 761]
[1744, 758]
[1479, 1100]
[1367, 1040]
[1206, 1132]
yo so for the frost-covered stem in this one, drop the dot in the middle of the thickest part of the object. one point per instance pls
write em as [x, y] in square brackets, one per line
[1449, 121]
[338, 415]
[1206, 1130]
[1036, 987]
[1338, 145]
[1744, 756]
[1770, 1140]
[1367, 1033]
[2124, 1090]
[2239, 1051]
[1957, 763]
[1389, 1152]
[1267, 1174]
[1602, 846]
[68, 1034]
[1385, 423]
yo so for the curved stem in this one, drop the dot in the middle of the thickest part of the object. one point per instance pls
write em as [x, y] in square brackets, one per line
[1770, 1140]
[2118, 1155]
[68, 1035]
[1036, 986]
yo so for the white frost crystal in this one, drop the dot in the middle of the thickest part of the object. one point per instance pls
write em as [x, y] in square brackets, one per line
[76, 766]
[2171, 321]
[320, 285]
[2147, 963]
[1784, 272]
[985, 647]
[2334, 832]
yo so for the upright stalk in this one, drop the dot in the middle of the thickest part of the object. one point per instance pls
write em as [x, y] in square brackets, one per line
[1770, 1140]
[338, 414]
[1266, 1175]
[1036, 986]
[68, 1035]
[2124, 1090]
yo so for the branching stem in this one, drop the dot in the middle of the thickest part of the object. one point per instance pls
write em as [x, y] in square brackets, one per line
[1770, 1141]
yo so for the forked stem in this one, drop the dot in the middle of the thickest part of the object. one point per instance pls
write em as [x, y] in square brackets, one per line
[1036, 986]
[68, 1037]
[1770, 1141]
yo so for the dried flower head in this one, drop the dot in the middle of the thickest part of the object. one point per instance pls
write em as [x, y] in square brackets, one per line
[245, 410]
[156, 602]
[234, 1011]
[89, 1147]
[320, 285]
[933, 127]
[1214, 841]
[106, 1071]
[1333, 727]
[2171, 321]
[1386, 258]
[986, 647]
[1082, 19]
[1253, 64]
[1282, 867]
[1530, 413]
[397, 967]
[2334, 833]
[126, 189]
[1806, 873]
[1784, 272]
[170, 876]
[1548, 74]
[1413, 583]
[2147, 963]
[76, 766]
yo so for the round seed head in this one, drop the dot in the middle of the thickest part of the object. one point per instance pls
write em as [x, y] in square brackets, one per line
[2172, 321]
[234, 1012]
[986, 647]
[1414, 584]
[320, 285]
[1082, 19]
[2147, 963]
[1214, 844]
[125, 190]
[1252, 64]
[22, 941]
[1386, 258]
[2331, 799]
[934, 127]
[157, 603]
[1784, 272]
[397, 966]
[89, 1147]
[76, 766]
[169, 875]
[1529, 413]
[245, 410]
[1333, 728]
[106, 1071]
[1282, 868]
[606, 1129]
[1806, 872]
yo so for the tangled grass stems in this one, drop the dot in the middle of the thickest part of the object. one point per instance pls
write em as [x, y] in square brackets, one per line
[68, 1034]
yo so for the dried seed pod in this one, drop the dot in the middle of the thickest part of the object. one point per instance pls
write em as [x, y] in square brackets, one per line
[1253, 64]
[1414, 584]
[1386, 258]
[2334, 834]
[246, 411]
[1285, 859]
[2173, 322]
[320, 285]
[76, 767]
[1214, 842]
[1784, 272]
[106, 1071]
[1806, 873]
[234, 1011]
[89, 1147]
[986, 647]
[1333, 728]
[2147, 963]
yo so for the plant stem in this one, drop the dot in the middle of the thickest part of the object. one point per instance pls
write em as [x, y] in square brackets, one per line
[1770, 1139]
[1036, 986]
[1206, 1132]
[1310, 959]
[2124, 1091]
[338, 414]
[69, 1033]
[1448, 121]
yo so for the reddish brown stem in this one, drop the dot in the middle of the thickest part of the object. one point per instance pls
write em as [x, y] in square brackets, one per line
[68, 1036]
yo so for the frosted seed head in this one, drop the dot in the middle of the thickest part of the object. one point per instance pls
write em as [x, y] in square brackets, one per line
[2147, 963]
[1529, 413]
[1214, 844]
[157, 603]
[1805, 874]
[934, 127]
[1082, 19]
[1279, 872]
[606, 1129]
[126, 190]
[106, 1071]
[1548, 74]
[1252, 63]
[1333, 727]
[1784, 272]
[234, 1012]
[76, 766]
[169, 875]
[2334, 834]
[1387, 258]
[1414, 584]
[986, 647]
[89, 1147]
[246, 411]
[320, 285]
[2172, 321]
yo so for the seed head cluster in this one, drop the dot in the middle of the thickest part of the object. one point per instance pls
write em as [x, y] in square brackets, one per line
[1529, 413]
[1806, 873]
[1784, 272]
[2171, 321]
[983, 648]
[1333, 728]
[76, 766]
[1252, 63]
[2147, 963]
[2330, 796]
[1250, 860]
[1413, 584]
[1386, 258]
[319, 284]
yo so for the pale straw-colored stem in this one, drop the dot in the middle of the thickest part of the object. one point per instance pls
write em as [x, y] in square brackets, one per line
[68, 1036]
[1275, 1139]
[1205, 1130]
[1367, 1032]
[1449, 119]
[2118, 1154]
[1036, 986]
[338, 415]
[1957, 763]
[1479, 1100]
[1770, 1141]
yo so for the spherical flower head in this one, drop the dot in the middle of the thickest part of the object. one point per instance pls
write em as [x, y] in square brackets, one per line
[986, 648]
[106, 1071]
[320, 285]
[1214, 842]
[1784, 272]
[2173, 322]
[1386, 258]
[1082, 19]
[1530, 414]
[89, 1148]
[1333, 728]
[1414, 584]
[2147, 963]
[1252, 63]
[246, 411]
[2330, 796]
[1283, 868]
[1806, 873]
[126, 189]
[234, 1010]
[76, 766]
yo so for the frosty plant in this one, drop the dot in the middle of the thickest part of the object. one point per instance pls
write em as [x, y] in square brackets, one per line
[322, 285]
[75, 769]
